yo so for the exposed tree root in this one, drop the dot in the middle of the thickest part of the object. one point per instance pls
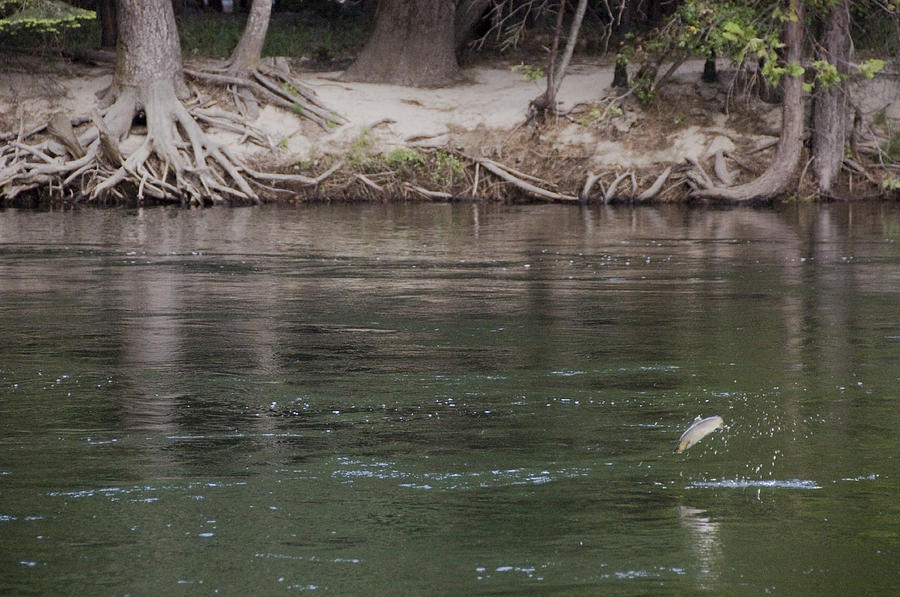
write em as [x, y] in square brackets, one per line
[654, 189]
[272, 85]
[175, 161]
[518, 179]
[721, 169]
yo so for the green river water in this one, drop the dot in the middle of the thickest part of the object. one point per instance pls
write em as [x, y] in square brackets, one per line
[450, 400]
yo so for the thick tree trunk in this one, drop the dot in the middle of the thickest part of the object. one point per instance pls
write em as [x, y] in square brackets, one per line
[778, 177]
[106, 9]
[148, 48]
[831, 107]
[248, 52]
[413, 44]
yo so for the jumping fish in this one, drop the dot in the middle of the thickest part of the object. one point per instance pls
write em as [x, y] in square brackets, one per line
[698, 431]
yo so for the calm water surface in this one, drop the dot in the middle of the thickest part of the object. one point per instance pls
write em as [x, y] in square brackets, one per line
[449, 400]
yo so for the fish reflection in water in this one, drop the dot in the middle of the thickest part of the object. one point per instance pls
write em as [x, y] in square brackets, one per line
[704, 538]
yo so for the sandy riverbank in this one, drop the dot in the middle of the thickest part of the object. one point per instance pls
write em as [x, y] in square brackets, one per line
[481, 118]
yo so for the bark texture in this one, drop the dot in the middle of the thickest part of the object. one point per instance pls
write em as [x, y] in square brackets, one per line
[148, 47]
[412, 44]
[831, 106]
[779, 176]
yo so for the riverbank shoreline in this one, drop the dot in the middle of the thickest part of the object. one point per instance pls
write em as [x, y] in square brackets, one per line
[471, 141]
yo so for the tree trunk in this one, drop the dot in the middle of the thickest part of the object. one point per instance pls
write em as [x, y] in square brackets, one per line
[620, 75]
[831, 107]
[106, 9]
[413, 44]
[148, 50]
[556, 71]
[780, 174]
[248, 52]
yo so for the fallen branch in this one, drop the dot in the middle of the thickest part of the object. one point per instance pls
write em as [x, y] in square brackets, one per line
[369, 182]
[305, 180]
[426, 193]
[853, 165]
[656, 186]
[611, 191]
[766, 145]
[704, 177]
[506, 175]
[746, 166]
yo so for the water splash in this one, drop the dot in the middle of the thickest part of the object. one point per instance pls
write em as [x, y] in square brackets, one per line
[755, 483]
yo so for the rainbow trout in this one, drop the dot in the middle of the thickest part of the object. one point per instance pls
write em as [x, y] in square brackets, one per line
[698, 431]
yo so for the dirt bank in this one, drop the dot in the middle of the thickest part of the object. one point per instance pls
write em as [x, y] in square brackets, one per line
[469, 141]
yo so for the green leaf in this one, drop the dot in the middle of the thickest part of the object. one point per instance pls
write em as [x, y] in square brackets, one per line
[869, 68]
[732, 28]
[794, 69]
[41, 15]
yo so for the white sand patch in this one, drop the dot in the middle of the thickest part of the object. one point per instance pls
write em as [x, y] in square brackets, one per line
[493, 101]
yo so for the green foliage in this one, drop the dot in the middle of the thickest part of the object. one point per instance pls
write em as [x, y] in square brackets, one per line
[739, 29]
[591, 117]
[645, 87]
[529, 72]
[827, 74]
[40, 16]
[870, 68]
[875, 26]
[404, 157]
[891, 184]
[214, 34]
[597, 114]
[446, 165]
[360, 152]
